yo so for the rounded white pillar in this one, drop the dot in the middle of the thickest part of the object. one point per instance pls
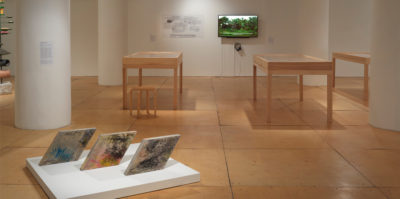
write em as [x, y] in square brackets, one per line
[385, 66]
[43, 74]
[112, 40]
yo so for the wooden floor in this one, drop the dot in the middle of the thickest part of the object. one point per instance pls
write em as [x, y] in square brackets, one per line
[225, 136]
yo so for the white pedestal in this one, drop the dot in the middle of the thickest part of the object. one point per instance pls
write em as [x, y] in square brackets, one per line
[65, 180]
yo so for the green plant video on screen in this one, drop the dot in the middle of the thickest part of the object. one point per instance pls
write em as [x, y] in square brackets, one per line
[237, 26]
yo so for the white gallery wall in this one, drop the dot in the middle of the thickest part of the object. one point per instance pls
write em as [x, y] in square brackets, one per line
[210, 55]
[312, 27]
[313, 34]
[280, 30]
[350, 30]
[112, 40]
[84, 37]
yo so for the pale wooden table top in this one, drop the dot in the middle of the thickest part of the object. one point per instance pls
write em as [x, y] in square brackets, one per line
[362, 55]
[154, 55]
[358, 54]
[290, 58]
[153, 59]
[358, 57]
[292, 63]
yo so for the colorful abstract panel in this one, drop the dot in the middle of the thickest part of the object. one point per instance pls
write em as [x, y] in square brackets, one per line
[67, 146]
[152, 154]
[108, 150]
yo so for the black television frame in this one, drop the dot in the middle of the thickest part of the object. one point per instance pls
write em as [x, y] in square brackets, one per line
[238, 16]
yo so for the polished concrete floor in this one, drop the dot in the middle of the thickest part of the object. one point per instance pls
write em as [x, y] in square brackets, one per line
[225, 136]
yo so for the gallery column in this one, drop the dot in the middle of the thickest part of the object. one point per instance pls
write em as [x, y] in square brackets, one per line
[43, 77]
[385, 66]
[112, 40]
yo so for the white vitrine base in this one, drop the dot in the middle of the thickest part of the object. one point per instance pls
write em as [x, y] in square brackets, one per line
[66, 180]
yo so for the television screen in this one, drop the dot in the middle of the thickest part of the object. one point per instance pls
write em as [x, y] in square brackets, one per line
[237, 26]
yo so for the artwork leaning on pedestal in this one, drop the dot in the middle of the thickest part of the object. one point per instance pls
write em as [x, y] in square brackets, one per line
[104, 171]
[67, 146]
[108, 150]
[152, 154]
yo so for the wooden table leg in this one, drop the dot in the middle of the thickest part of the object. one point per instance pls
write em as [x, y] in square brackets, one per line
[140, 76]
[147, 102]
[124, 88]
[254, 82]
[269, 97]
[155, 102]
[138, 103]
[130, 102]
[175, 88]
[366, 79]
[334, 72]
[181, 77]
[329, 97]
[301, 87]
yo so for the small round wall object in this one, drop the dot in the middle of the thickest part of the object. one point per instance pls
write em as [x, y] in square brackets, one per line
[238, 46]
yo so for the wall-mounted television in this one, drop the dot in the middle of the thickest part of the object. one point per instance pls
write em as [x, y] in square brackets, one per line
[237, 26]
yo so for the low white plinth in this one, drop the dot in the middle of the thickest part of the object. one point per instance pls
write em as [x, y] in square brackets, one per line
[65, 180]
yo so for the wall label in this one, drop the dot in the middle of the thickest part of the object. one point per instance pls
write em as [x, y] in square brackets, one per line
[46, 52]
[177, 26]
